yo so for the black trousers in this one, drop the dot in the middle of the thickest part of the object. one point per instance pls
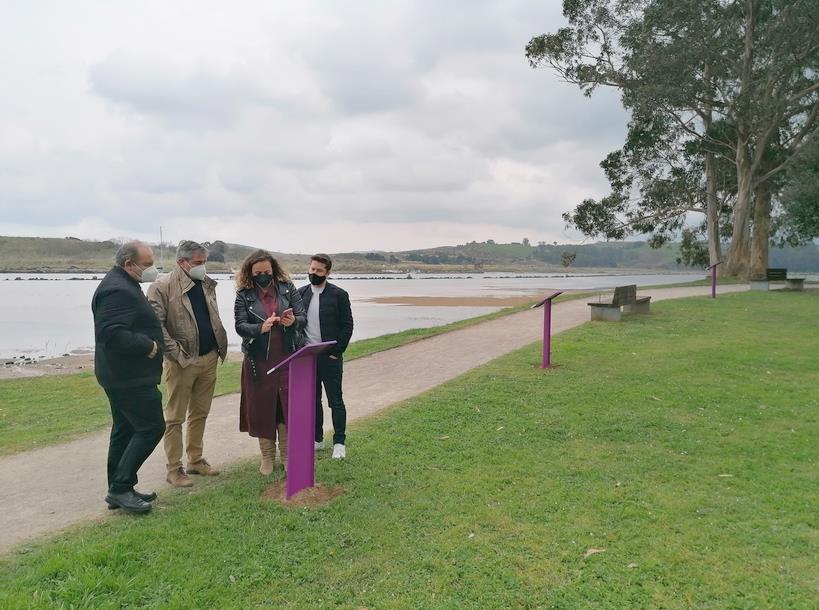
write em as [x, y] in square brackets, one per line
[138, 426]
[329, 374]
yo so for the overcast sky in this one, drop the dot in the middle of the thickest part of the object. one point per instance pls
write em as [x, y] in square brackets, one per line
[298, 126]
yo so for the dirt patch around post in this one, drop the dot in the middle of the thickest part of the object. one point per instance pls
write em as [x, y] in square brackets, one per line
[307, 498]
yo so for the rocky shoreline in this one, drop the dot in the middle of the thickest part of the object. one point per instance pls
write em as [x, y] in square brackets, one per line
[25, 366]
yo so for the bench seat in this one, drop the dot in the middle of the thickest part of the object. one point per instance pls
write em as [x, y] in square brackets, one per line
[624, 300]
[640, 305]
[776, 275]
[607, 312]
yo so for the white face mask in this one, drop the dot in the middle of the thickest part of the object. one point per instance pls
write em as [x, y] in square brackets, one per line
[198, 272]
[149, 274]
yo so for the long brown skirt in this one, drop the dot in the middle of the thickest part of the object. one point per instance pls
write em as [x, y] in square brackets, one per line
[263, 403]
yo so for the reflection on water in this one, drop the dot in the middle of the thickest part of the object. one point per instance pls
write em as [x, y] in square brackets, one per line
[51, 318]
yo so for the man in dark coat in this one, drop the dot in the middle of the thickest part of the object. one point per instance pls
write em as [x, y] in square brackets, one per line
[128, 366]
[329, 318]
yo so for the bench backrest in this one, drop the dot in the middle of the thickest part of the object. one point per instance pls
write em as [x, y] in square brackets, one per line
[625, 295]
[777, 275]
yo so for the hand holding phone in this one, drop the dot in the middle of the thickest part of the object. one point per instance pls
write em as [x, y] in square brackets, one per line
[270, 322]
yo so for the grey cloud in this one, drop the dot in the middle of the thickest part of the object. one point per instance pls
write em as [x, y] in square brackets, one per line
[336, 179]
[501, 107]
[428, 172]
[382, 112]
[362, 73]
[438, 30]
[48, 187]
[194, 99]
[408, 163]
[157, 182]
[240, 181]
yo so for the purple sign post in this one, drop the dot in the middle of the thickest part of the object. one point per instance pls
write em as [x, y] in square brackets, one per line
[301, 415]
[713, 270]
[547, 328]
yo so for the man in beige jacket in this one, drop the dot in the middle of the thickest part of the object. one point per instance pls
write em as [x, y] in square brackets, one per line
[185, 303]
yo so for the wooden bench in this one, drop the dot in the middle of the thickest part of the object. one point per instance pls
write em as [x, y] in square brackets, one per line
[781, 275]
[624, 300]
[776, 275]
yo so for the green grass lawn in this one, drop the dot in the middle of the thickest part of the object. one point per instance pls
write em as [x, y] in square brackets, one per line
[682, 444]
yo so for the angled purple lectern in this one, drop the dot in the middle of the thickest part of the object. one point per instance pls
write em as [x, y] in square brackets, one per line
[547, 328]
[713, 270]
[301, 415]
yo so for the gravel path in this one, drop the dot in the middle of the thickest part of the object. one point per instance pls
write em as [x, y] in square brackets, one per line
[49, 489]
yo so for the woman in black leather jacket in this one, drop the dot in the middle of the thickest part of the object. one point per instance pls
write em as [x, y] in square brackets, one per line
[270, 318]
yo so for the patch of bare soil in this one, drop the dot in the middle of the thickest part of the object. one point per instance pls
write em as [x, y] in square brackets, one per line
[306, 498]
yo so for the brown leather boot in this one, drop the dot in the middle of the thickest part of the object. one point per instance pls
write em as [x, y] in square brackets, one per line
[178, 478]
[268, 449]
[202, 467]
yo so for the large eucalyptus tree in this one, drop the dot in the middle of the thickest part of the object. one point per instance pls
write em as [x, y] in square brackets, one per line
[735, 80]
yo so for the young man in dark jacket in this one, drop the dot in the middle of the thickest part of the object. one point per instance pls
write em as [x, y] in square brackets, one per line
[329, 318]
[128, 366]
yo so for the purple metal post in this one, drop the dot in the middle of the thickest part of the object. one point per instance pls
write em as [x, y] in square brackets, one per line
[547, 328]
[301, 416]
[301, 425]
[713, 269]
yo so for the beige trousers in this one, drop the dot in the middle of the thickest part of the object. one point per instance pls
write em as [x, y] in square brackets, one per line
[190, 393]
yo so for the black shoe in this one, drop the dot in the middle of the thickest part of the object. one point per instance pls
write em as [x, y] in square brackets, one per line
[128, 502]
[145, 497]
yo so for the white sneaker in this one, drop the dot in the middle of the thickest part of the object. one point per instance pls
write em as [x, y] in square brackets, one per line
[339, 451]
[318, 445]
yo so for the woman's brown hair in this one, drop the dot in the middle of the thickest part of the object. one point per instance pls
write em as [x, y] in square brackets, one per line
[244, 278]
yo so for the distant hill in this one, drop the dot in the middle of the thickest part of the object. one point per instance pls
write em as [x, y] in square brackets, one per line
[601, 256]
[46, 254]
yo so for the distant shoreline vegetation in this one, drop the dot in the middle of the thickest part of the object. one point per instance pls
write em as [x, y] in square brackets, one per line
[72, 255]
[426, 275]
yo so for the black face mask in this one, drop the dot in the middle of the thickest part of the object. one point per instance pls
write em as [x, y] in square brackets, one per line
[263, 280]
[316, 280]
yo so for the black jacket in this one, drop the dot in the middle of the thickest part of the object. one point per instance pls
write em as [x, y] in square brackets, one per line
[249, 315]
[335, 315]
[125, 328]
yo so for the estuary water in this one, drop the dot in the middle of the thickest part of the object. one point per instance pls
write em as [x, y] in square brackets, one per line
[47, 315]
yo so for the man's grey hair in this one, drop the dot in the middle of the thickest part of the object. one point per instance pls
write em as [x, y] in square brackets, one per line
[187, 249]
[128, 251]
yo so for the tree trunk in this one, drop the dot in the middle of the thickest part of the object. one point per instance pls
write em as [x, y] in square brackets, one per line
[711, 203]
[738, 255]
[712, 211]
[762, 231]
